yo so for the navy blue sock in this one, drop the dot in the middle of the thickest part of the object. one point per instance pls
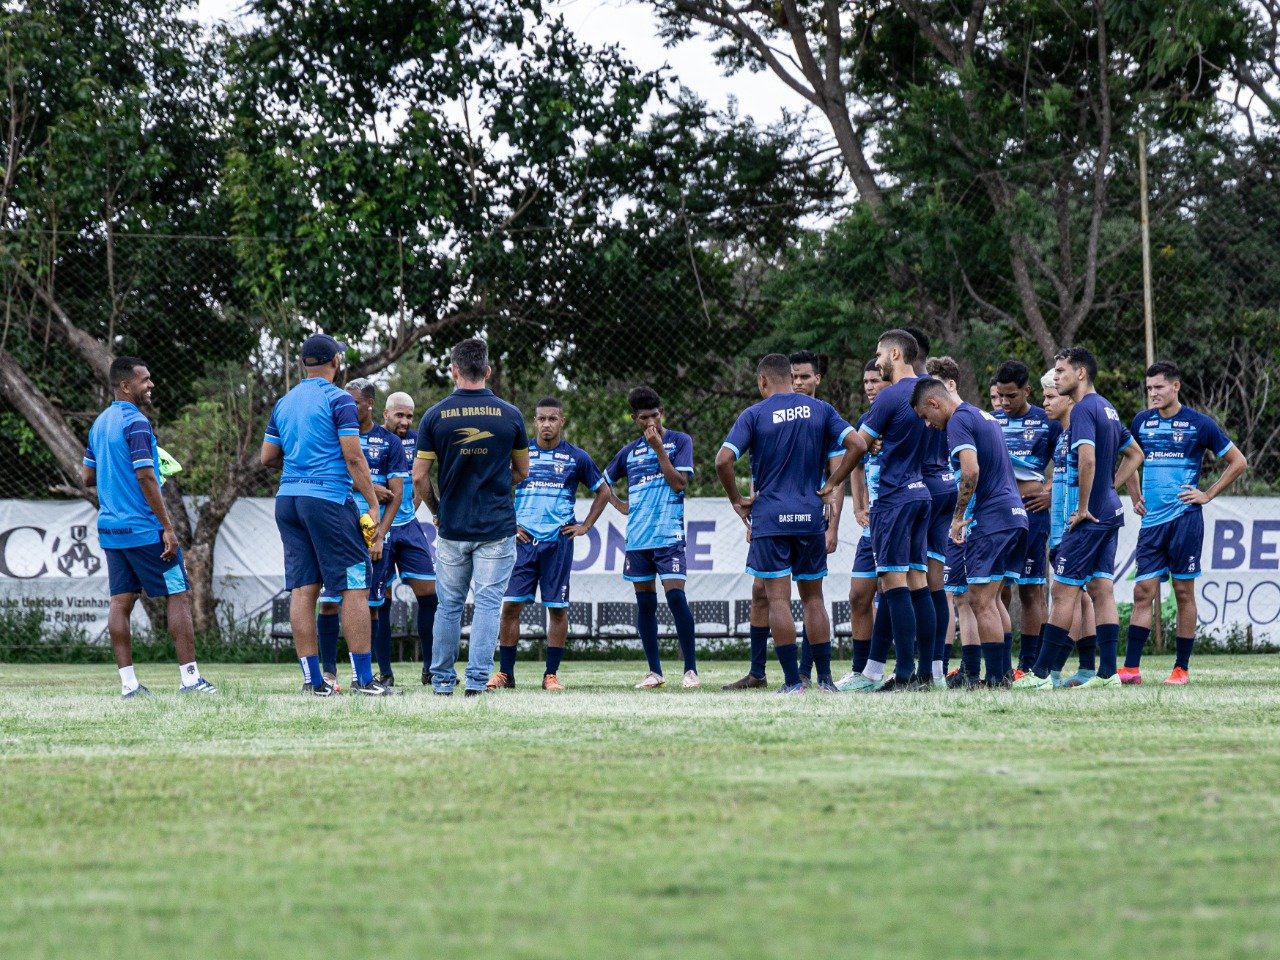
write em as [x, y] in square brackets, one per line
[1008, 654]
[1134, 646]
[1086, 647]
[327, 641]
[1030, 649]
[881, 634]
[1108, 641]
[427, 627]
[993, 658]
[554, 655]
[362, 667]
[822, 660]
[861, 651]
[926, 630]
[759, 650]
[1056, 643]
[787, 660]
[311, 671]
[806, 656]
[1061, 655]
[902, 619]
[507, 661]
[971, 660]
[942, 645]
[382, 639]
[683, 617]
[1183, 651]
[647, 627]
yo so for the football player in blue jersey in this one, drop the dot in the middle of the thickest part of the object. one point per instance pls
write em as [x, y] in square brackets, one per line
[1084, 631]
[1030, 434]
[989, 522]
[545, 531]
[656, 469]
[899, 524]
[1174, 440]
[864, 484]
[789, 438]
[941, 481]
[1086, 557]
[407, 553]
[388, 467]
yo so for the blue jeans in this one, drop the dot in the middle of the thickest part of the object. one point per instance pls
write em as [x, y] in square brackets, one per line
[463, 565]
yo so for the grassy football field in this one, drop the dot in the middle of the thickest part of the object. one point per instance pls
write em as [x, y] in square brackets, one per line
[607, 822]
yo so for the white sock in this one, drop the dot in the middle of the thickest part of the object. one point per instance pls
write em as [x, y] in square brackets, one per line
[190, 674]
[937, 670]
[127, 679]
[874, 670]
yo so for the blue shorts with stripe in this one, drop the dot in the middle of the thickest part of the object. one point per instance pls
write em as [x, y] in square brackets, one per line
[798, 557]
[864, 560]
[542, 565]
[664, 563]
[989, 557]
[1087, 552]
[954, 570]
[141, 570]
[1171, 549]
[1030, 568]
[322, 544]
[941, 510]
[899, 536]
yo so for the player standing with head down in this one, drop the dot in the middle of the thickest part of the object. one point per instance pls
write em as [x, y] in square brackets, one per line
[1174, 440]
[1086, 557]
[656, 469]
[789, 437]
[122, 460]
[545, 531]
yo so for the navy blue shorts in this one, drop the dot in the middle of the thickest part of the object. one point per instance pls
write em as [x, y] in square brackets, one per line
[954, 570]
[541, 565]
[1087, 552]
[1171, 549]
[941, 510]
[864, 560]
[899, 536]
[800, 558]
[322, 544]
[989, 557]
[666, 563]
[140, 570]
[1030, 568]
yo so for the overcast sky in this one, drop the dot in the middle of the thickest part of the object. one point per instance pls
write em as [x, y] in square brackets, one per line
[632, 26]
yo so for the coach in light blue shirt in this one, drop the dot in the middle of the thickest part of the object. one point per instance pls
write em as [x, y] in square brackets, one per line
[314, 435]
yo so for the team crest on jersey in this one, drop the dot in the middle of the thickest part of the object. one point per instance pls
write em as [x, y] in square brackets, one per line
[1177, 436]
[1029, 434]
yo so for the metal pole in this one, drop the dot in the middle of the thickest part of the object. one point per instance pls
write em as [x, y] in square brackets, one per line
[1148, 323]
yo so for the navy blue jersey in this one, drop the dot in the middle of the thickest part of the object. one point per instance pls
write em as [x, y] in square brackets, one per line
[789, 437]
[936, 470]
[306, 424]
[1173, 453]
[1058, 511]
[1094, 421]
[406, 513]
[995, 504]
[121, 442]
[546, 498]
[384, 453]
[903, 436]
[471, 434]
[1030, 439]
[871, 473]
[655, 512]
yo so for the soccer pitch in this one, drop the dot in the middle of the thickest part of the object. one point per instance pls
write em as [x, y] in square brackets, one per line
[610, 822]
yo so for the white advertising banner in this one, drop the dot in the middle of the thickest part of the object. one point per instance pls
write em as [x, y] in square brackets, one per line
[50, 560]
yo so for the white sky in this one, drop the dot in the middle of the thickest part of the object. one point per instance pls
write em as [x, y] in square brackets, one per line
[631, 25]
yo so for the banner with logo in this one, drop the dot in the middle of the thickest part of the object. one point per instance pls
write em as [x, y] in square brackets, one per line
[50, 560]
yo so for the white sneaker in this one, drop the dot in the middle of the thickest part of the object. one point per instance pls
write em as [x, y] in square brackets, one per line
[847, 679]
[651, 681]
[691, 681]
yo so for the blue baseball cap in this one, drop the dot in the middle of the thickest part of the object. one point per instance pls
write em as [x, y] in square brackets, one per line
[320, 348]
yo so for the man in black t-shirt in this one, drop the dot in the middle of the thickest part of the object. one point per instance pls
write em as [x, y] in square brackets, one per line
[479, 445]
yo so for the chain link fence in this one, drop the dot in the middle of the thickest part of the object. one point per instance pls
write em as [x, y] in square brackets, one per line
[684, 304]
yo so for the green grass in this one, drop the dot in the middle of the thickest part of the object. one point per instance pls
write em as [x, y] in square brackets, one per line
[609, 822]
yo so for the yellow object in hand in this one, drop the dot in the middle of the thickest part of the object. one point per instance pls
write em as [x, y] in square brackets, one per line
[368, 528]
